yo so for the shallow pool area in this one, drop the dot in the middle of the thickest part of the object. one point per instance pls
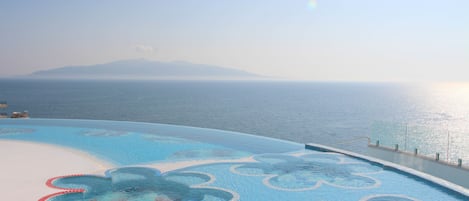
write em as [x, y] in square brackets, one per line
[158, 162]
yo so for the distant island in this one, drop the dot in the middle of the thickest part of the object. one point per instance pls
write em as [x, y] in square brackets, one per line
[145, 69]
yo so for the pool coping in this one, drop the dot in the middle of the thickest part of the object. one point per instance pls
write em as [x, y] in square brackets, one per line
[430, 178]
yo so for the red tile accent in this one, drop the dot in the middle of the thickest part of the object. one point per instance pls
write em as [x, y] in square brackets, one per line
[50, 183]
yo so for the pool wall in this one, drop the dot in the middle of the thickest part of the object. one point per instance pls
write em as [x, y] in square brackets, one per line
[441, 169]
[432, 180]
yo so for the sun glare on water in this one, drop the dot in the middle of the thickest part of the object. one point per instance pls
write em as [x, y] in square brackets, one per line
[312, 4]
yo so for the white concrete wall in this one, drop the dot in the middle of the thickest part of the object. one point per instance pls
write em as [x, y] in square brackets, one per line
[451, 173]
[449, 176]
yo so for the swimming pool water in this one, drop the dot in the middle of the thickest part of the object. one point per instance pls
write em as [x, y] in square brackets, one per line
[118, 143]
[279, 170]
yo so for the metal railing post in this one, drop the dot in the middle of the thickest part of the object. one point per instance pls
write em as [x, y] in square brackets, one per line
[405, 138]
[447, 147]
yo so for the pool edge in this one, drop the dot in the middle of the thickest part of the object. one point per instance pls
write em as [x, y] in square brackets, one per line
[430, 178]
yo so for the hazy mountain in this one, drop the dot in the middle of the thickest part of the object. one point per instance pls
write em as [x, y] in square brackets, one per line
[141, 68]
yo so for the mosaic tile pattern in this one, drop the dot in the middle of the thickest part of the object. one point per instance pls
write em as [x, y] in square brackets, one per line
[103, 133]
[138, 184]
[13, 131]
[308, 172]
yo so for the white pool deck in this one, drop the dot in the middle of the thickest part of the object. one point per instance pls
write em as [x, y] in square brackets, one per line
[26, 166]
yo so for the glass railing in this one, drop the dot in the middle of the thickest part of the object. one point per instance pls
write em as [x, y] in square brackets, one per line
[441, 141]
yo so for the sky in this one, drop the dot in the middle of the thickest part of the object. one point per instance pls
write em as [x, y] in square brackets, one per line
[322, 40]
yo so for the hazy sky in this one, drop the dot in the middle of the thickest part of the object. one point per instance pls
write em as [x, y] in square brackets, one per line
[364, 40]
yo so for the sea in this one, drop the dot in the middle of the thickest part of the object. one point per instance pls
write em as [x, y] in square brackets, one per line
[430, 117]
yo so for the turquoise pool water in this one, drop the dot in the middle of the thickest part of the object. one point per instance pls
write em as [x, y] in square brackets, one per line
[128, 143]
[280, 170]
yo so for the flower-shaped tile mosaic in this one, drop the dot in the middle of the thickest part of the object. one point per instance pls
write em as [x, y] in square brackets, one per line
[13, 131]
[309, 171]
[103, 133]
[208, 153]
[388, 198]
[138, 184]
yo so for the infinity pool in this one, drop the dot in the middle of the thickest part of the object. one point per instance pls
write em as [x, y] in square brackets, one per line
[211, 165]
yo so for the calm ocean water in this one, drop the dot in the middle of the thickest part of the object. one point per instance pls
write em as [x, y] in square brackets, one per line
[335, 114]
